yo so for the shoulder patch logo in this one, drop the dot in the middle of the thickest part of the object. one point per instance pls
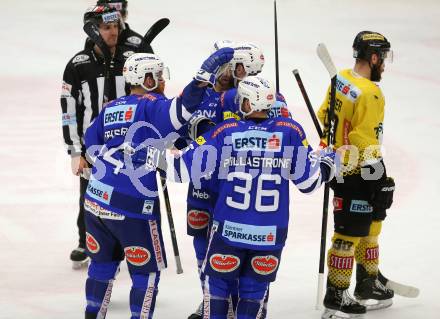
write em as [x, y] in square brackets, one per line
[128, 54]
[134, 40]
[80, 58]
[200, 140]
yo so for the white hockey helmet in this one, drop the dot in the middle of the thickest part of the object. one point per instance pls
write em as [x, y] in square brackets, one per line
[223, 44]
[245, 53]
[140, 64]
[258, 91]
[250, 56]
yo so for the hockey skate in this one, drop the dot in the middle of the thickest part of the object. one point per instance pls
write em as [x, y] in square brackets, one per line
[79, 258]
[340, 305]
[370, 292]
[198, 313]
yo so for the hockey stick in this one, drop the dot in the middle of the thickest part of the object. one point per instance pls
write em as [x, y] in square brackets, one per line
[151, 34]
[308, 104]
[92, 32]
[277, 73]
[328, 63]
[166, 196]
[398, 288]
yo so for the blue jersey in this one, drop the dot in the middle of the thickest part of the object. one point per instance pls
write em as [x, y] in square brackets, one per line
[125, 140]
[210, 108]
[219, 107]
[251, 163]
[230, 108]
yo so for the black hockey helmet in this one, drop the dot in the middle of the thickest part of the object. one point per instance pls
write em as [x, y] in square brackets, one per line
[368, 42]
[102, 14]
[120, 5]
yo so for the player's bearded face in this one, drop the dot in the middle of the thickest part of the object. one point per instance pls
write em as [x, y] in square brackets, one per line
[109, 33]
[160, 87]
[225, 80]
[377, 66]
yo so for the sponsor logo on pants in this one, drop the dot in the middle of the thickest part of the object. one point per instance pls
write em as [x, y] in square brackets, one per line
[92, 243]
[264, 265]
[155, 239]
[224, 263]
[101, 212]
[337, 203]
[360, 206]
[198, 219]
[137, 256]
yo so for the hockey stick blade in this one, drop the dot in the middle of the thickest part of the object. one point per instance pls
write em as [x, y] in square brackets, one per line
[398, 288]
[326, 60]
[155, 29]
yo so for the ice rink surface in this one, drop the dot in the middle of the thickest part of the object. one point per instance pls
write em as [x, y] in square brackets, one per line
[38, 197]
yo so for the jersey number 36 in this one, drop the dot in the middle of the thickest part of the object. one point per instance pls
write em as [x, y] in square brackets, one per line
[245, 192]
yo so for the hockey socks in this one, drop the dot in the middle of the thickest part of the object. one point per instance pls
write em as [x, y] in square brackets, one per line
[340, 259]
[99, 286]
[143, 295]
[367, 251]
[252, 297]
[215, 298]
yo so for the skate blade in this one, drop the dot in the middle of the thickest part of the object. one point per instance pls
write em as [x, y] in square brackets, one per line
[372, 304]
[80, 264]
[336, 314]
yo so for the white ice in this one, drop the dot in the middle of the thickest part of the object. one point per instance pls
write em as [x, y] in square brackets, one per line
[38, 197]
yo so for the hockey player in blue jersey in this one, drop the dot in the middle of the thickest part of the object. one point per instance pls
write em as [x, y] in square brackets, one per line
[121, 200]
[248, 60]
[251, 163]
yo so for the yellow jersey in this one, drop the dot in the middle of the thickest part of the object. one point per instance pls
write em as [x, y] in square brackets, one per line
[359, 115]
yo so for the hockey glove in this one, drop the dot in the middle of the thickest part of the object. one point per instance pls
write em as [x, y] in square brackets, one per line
[382, 196]
[199, 125]
[211, 65]
[328, 162]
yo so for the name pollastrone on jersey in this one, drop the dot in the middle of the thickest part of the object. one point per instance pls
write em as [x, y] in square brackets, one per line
[257, 162]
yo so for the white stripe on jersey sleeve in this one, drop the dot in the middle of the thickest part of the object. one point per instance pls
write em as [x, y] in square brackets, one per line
[185, 114]
[177, 124]
[87, 106]
[173, 115]
[75, 148]
[315, 178]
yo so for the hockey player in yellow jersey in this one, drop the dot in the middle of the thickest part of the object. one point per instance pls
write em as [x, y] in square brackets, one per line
[364, 192]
